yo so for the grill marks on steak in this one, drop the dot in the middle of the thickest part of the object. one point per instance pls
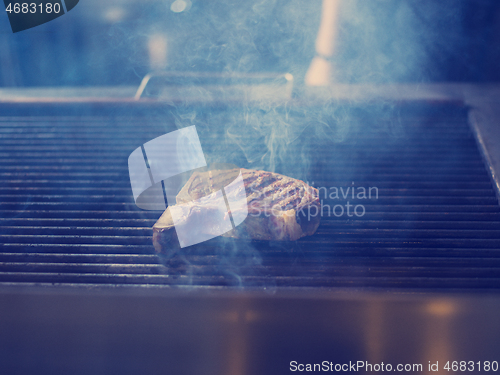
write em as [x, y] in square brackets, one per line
[277, 190]
[279, 207]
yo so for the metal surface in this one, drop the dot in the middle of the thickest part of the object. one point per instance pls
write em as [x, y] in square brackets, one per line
[279, 85]
[122, 331]
[68, 217]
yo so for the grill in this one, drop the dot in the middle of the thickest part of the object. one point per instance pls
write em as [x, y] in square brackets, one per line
[68, 215]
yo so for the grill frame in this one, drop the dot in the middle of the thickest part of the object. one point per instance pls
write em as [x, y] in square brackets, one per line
[84, 328]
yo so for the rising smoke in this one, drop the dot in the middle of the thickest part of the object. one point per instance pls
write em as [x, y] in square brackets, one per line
[379, 41]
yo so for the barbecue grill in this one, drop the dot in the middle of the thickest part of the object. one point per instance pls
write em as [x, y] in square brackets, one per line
[420, 250]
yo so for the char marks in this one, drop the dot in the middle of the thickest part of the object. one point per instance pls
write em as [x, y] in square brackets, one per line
[272, 190]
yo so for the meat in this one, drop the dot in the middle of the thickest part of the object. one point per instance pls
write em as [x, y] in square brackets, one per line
[263, 206]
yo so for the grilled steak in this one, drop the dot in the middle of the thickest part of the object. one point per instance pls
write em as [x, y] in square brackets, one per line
[275, 207]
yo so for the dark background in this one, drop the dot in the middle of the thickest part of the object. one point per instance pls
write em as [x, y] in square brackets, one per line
[105, 43]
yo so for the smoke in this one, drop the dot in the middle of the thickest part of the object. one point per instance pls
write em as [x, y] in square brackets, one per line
[253, 36]
[222, 261]
[379, 41]
[106, 43]
[385, 41]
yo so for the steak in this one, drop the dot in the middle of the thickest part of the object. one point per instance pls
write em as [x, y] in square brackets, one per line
[272, 207]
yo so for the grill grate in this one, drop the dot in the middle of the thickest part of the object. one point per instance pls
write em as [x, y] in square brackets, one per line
[68, 216]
